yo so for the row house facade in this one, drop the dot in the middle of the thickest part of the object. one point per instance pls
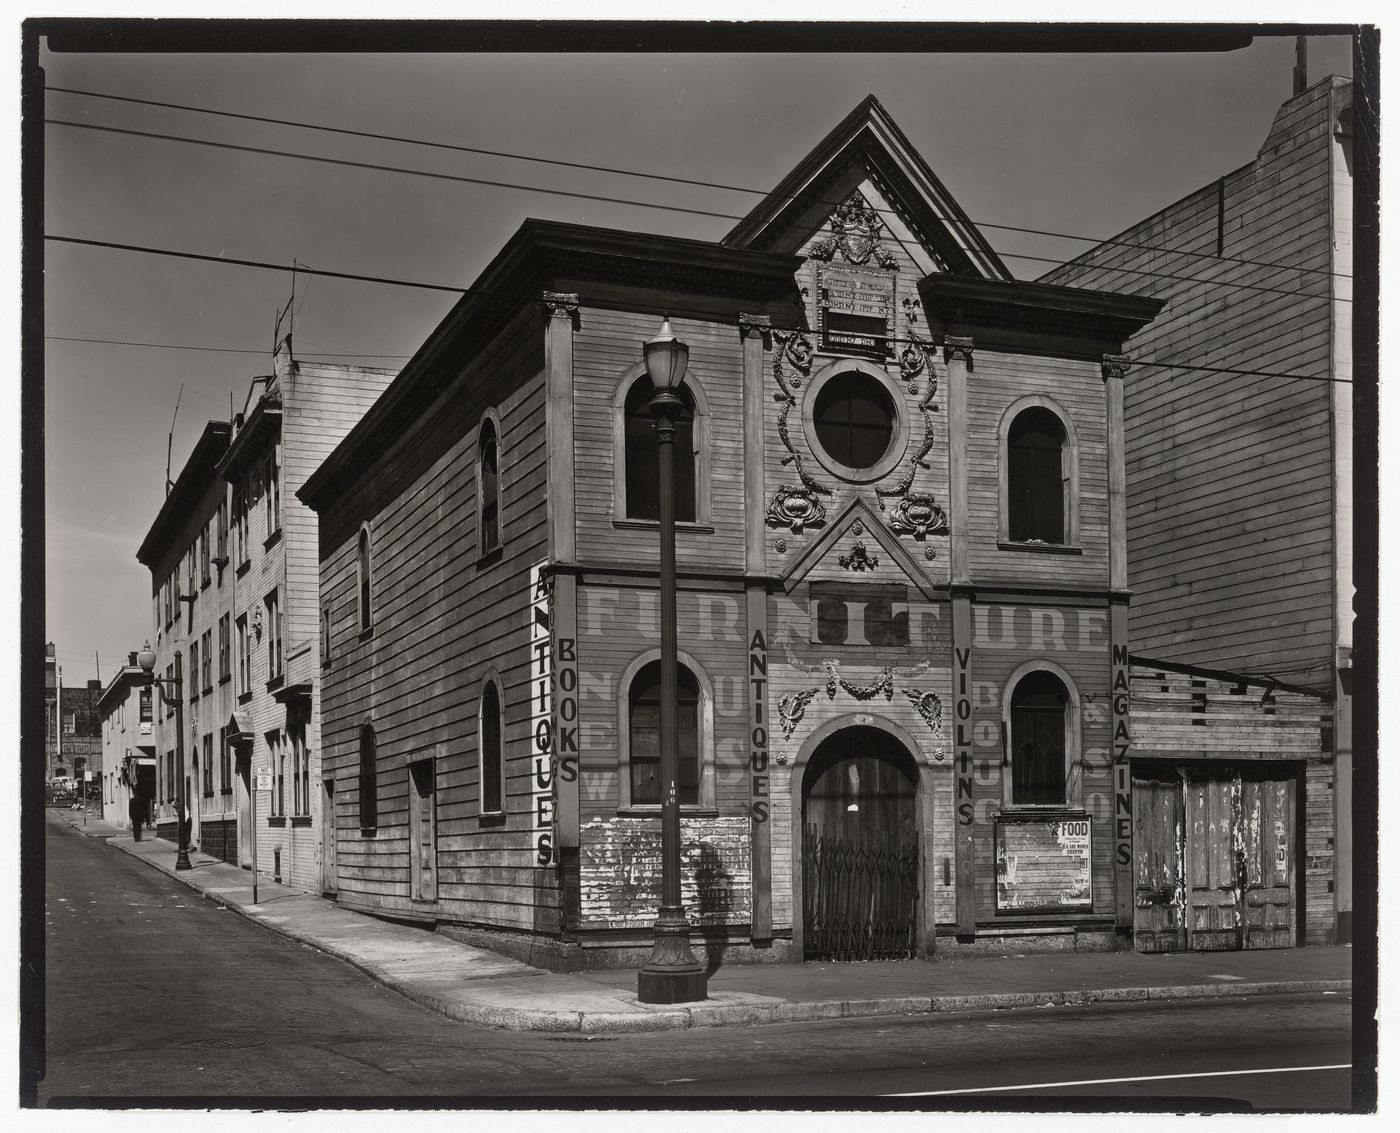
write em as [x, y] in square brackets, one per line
[1254, 271]
[127, 709]
[290, 422]
[233, 560]
[186, 551]
[906, 692]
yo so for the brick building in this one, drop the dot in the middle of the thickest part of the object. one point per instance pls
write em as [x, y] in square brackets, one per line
[73, 730]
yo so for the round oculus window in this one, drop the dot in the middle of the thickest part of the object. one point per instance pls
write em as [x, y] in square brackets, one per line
[854, 419]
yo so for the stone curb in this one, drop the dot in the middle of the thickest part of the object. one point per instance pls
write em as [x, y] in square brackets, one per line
[728, 1015]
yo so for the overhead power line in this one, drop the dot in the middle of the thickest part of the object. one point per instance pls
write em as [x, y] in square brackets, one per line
[455, 147]
[457, 178]
[265, 265]
[215, 349]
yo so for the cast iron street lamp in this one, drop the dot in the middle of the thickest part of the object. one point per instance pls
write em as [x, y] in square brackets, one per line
[147, 660]
[672, 974]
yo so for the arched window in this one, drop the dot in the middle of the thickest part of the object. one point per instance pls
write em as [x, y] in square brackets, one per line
[1039, 722]
[644, 735]
[369, 779]
[641, 487]
[362, 575]
[488, 488]
[490, 750]
[1037, 479]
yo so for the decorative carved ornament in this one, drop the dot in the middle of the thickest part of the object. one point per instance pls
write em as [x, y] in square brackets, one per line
[859, 558]
[561, 305]
[957, 349]
[927, 705]
[919, 515]
[855, 233]
[256, 621]
[1115, 365]
[795, 507]
[751, 326]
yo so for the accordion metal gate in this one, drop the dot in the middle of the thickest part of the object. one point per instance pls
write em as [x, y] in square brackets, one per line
[860, 897]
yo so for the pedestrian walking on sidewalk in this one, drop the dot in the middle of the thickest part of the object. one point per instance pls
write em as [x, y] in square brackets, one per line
[136, 809]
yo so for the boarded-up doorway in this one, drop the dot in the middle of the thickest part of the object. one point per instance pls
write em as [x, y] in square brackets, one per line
[1214, 859]
[328, 864]
[860, 849]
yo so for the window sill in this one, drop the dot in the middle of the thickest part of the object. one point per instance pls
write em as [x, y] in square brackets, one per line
[244, 697]
[220, 561]
[272, 540]
[1041, 548]
[207, 690]
[277, 682]
[366, 634]
[208, 794]
[369, 831]
[204, 584]
[226, 791]
[655, 525]
[225, 678]
[301, 820]
[491, 558]
[277, 820]
[653, 810]
[242, 568]
[490, 821]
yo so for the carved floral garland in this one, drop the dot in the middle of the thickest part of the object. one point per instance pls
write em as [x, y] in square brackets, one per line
[798, 507]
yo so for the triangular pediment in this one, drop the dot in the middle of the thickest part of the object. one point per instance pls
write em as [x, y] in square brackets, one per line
[867, 154]
[859, 542]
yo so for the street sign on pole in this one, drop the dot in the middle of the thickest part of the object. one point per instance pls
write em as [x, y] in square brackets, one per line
[262, 779]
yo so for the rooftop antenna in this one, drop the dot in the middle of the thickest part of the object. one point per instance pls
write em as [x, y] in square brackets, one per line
[170, 440]
[287, 313]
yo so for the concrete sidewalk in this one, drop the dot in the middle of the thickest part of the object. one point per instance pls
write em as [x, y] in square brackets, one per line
[478, 986]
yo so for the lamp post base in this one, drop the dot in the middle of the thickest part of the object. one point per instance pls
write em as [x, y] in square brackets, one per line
[182, 858]
[672, 974]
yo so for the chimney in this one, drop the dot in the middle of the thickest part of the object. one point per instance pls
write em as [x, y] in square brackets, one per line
[131, 659]
[1300, 65]
[94, 684]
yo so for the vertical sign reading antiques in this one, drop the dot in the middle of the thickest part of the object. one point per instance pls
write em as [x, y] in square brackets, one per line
[541, 714]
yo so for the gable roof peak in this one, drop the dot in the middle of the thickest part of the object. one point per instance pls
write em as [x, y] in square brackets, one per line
[868, 146]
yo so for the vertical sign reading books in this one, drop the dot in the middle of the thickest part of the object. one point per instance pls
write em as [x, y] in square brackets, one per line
[541, 714]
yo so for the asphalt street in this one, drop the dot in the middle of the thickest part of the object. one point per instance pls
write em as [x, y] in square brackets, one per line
[157, 995]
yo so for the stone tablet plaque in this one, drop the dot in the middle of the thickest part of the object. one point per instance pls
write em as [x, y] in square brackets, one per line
[855, 311]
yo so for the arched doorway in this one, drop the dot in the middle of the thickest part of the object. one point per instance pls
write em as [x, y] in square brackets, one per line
[860, 848]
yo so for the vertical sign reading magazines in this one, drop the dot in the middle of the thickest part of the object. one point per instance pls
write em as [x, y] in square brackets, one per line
[541, 714]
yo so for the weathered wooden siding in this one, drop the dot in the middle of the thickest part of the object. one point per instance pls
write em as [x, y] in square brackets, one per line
[1229, 477]
[1185, 717]
[997, 382]
[785, 380]
[1006, 637]
[442, 619]
[608, 346]
[797, 671]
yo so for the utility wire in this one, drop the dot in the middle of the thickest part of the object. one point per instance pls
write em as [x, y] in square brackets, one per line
[659, 177]
[893, 339]
[627, 201]
[214, 349]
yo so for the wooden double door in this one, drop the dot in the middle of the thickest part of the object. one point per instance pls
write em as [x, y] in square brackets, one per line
[860, 849]
[1214, 859]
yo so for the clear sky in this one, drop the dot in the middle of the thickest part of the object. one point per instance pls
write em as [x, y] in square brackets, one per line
[1077, 144]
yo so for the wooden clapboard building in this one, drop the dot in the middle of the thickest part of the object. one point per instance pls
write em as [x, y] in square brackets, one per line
[290, 420]
[902, 596]
[1240, 515]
